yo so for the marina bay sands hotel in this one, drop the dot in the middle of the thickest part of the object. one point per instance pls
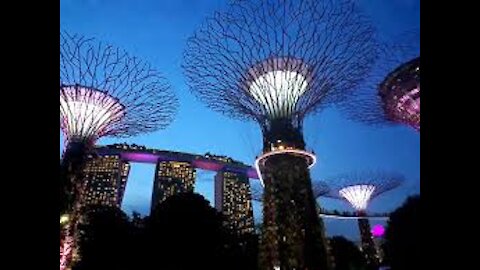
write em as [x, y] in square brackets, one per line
[106, 176]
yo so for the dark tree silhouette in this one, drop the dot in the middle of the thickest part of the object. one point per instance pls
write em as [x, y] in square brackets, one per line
[346, 255]
[185, 232]
[104, 239]
[401, 237]
[241, 251]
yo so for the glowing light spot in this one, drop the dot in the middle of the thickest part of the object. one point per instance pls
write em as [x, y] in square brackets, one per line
[64, 219]
[358, 195]
[311, 159]
[378, 230]
[87, 113]
[279, 91]
[278, 84]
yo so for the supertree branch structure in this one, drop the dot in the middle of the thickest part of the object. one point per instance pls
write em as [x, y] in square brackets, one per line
[274, 62]
[391, 93]
[358, 189]
[104, 91]
[279, 59]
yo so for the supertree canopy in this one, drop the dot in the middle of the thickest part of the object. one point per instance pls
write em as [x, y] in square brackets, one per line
[104, 91]
[274, 62]
[358, 196]
[358, 189]
[391, 93]
[400, 93]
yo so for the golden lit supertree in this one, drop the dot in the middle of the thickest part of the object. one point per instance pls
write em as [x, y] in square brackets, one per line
[104, 91]
[274, 62]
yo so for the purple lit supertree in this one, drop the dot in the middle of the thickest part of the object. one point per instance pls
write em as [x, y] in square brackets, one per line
[400, 94]
[358, 189]
[274, 62]
[391, 94]
[104, 91]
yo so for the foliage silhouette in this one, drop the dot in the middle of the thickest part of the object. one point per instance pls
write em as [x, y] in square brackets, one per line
[401, 236]
[189, 234]
[105, 239]
[184, 232]
[346, 254]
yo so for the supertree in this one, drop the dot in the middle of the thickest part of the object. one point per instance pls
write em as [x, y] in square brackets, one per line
[274, 62]
[391, 94]
[104, 91]
[400, 94]
[358, 189]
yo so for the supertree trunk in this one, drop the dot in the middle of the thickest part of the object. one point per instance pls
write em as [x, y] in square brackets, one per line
[71, 173]
[368, 246]
[293, 236]
[72, 186]
[66, 247]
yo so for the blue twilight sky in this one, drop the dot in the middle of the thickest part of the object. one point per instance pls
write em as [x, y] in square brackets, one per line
[157, 30]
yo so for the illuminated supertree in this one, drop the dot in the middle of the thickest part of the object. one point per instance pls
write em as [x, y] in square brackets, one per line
[358, 189]
[391, 94]
[67, 242]
[104, 91]
[274, 62]
[400, 94]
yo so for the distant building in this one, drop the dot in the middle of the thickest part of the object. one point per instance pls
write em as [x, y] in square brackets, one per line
[176, 173]
[105, 181]
[172, 177]
[233, 200]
